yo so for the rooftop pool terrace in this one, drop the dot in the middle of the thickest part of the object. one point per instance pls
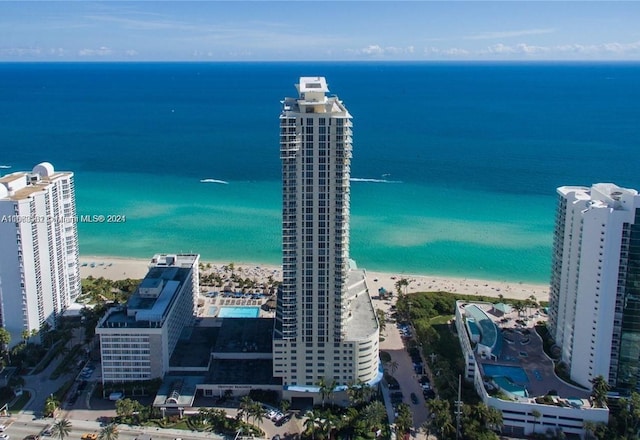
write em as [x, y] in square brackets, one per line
[239, 312]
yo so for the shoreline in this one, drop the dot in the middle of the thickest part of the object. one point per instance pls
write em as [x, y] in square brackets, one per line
[117, 268]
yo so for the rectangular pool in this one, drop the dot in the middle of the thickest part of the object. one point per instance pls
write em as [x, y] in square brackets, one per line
[239, 312]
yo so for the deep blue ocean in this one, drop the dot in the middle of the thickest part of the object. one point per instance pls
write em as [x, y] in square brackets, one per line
[471, 154]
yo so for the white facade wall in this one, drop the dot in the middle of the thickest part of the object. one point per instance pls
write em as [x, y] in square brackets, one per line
[312, 320]
[585, 280]
[39, 270]
[135, 350]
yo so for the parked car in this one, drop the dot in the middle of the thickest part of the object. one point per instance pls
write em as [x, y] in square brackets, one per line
[414, 398]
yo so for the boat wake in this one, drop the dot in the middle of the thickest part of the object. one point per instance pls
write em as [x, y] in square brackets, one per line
[359, 179]
[221, 182]
[5, 167]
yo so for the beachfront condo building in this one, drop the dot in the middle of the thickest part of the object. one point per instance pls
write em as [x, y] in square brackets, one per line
[594, 299]
[39, 272]
[138, 338]
[326, 331]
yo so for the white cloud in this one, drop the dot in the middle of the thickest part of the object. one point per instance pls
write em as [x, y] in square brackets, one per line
[131, 53]
[21, 51]
[573, 50]
[377, 50]
[100, 52]
[57, 51]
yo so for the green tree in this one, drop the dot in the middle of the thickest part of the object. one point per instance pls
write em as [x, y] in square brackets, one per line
[5, 339]
[382, 320]
[441, 418]
[285, 405]
[127, 407]
[257, 413]
[109, 432]
[310, 423]
[61, 429]
[404, 421]
[599, 390]
[536, 415]
[246, 403]
[323, 389]
[374, 413]
[50, 406]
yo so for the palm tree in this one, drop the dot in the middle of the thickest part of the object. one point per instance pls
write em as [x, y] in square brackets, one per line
[245, 407]
[257, 413]
[404, 421]
[382, 320]
[441, 418]
[374, 413]
[536, 415]
[599, 390]
[5, 339]
[327, 425]
[322, 385]
[331, 389]
[109, 432]
[50, 406]
[310, 423]
[61, 429]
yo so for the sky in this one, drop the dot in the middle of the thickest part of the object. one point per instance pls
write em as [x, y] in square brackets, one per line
[319, 30]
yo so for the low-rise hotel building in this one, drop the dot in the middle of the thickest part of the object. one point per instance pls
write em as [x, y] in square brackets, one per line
[138, 339]
[39, 271]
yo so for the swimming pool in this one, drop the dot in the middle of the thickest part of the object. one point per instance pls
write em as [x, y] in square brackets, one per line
[239, 312]
[510, 387]
[516, 374]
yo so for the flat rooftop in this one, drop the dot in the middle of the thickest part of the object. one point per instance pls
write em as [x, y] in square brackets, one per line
[150, 303]
[363, 321]
[223, 336]
[242, 372]
[522, 348]
[25, 185]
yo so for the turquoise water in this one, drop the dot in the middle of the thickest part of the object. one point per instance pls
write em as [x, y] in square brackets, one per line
[239, 312]
[516, 374]
[468, 155]
[509, 386]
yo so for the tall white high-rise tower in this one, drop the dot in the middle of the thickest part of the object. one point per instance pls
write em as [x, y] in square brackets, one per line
[594, 300]
[39, 272]
[326, 331]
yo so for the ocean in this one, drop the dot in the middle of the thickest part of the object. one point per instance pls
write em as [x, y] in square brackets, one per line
[454, 169]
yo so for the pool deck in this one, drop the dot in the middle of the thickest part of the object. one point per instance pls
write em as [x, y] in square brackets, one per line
[536, 364]
[207, 304]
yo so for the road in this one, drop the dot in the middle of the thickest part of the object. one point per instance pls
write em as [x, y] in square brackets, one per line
[405, 374]
[25, 424]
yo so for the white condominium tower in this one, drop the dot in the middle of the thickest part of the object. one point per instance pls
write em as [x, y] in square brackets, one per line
[39, 273]
[594, 307]
[326, 329]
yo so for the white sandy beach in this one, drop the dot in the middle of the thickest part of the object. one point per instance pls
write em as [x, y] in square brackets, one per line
[120, 268]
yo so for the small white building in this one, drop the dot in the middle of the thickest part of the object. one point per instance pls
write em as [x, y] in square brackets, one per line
[39, 271]
[137, 339]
